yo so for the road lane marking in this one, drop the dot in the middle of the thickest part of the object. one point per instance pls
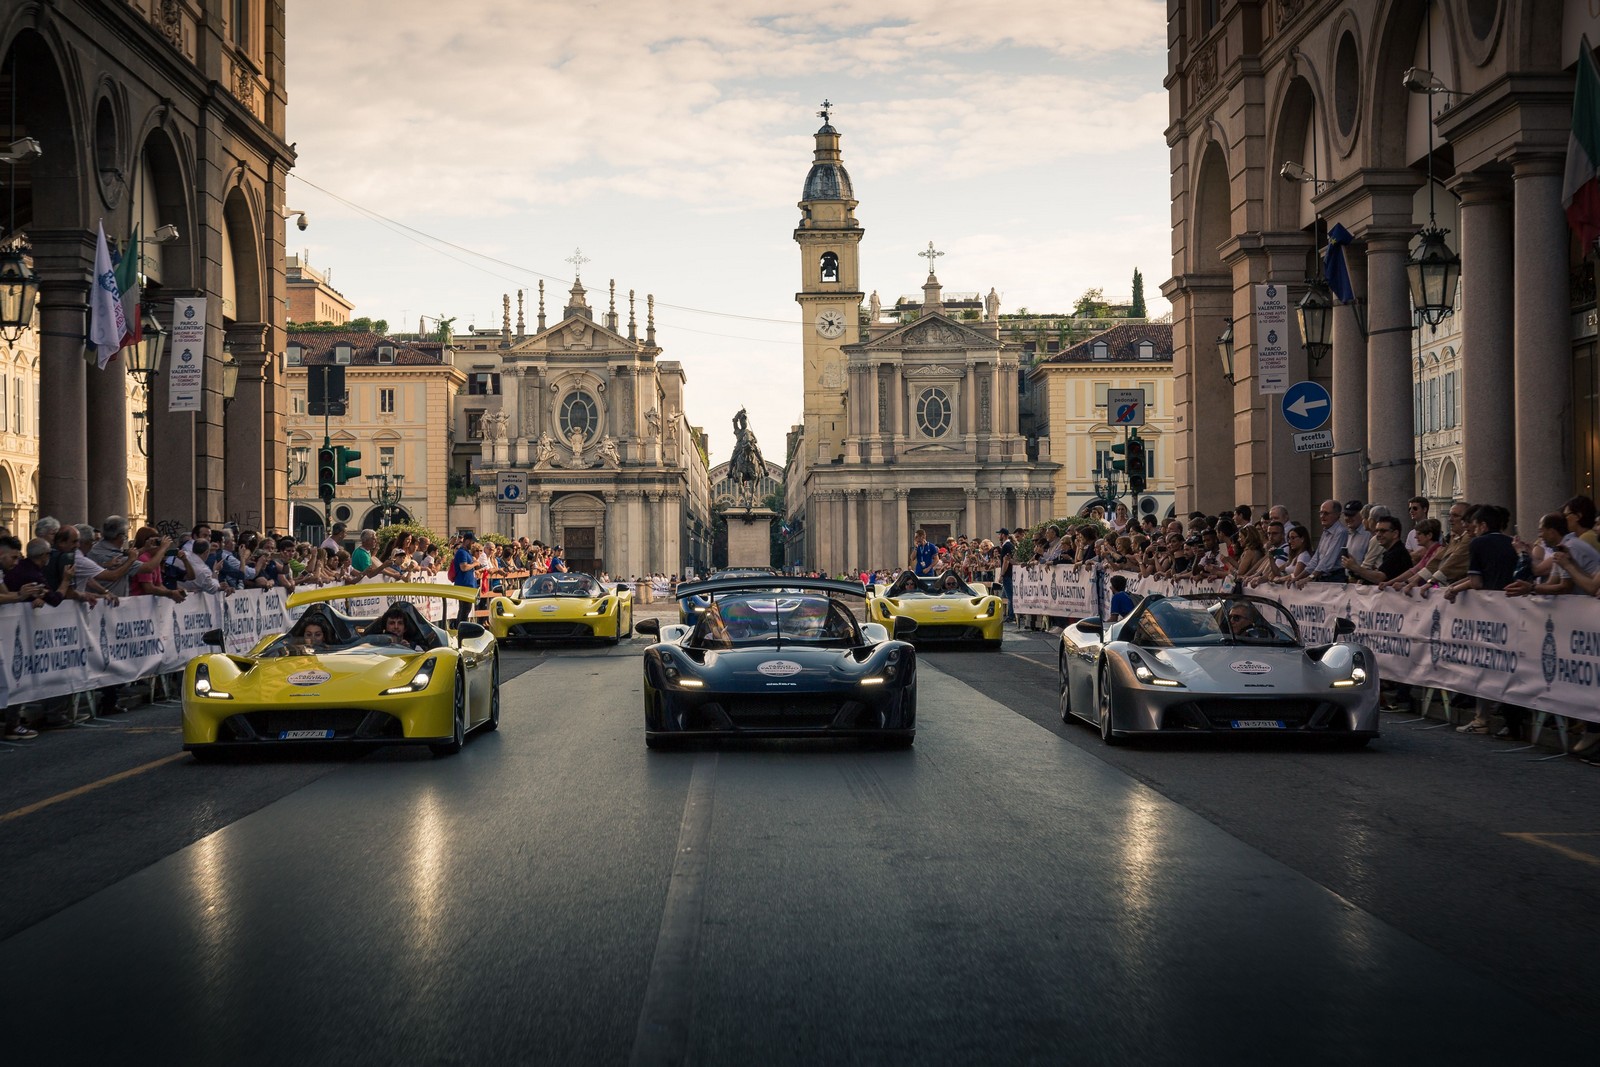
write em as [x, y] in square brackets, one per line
[89, 788]
[1571, 853]
[662, 1035]
[1028, 659]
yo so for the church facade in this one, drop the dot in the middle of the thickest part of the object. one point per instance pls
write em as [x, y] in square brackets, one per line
[908, 424]
[589, 410]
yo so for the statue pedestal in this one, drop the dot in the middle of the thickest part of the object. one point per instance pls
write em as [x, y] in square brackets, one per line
[749, 536]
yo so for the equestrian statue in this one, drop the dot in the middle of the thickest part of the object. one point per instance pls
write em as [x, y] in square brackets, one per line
[746, 468]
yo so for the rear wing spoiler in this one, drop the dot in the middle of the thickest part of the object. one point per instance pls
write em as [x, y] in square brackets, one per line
[775, 582]
[325, 593]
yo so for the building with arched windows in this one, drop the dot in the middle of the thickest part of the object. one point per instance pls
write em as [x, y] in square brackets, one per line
[152, 114]
[1385, 117]
[725, 491]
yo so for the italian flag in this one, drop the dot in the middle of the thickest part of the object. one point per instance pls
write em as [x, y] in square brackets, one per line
[1580, 191]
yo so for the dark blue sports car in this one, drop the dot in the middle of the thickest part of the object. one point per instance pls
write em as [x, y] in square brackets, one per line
[777, 656]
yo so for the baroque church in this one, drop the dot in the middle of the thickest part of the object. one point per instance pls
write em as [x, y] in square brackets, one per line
[616, 474]
[908, 425]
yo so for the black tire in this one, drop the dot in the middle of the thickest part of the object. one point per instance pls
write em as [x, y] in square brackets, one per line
[459, 738]
[1107, 734]
[898, 742]
[208, 755]
[493, 722]
[1064, 698]
[659, 744]
[1352, 744]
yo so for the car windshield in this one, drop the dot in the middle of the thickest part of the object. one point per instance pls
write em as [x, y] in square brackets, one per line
[739, 620]
[949, 584]
[561, 585]
[1183, 622]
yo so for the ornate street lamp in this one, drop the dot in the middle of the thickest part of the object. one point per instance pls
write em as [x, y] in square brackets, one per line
[299, 464]
[19, 291]
[1433, 269]
[1315, 315]
[1225, 350]
[380, 492]
[230, 375]
[144, 363]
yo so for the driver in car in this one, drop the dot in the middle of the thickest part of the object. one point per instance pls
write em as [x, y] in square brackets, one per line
[1245, 621]
[951, 584]
[398, 630]
[311, 640]
[903, 584]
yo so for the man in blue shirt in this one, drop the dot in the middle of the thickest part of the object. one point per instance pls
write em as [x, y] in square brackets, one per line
[466, 566]
[923, 554]
[558, 562]
[1121, 602]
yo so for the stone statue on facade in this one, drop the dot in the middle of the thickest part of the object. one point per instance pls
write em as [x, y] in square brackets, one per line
[747, 469]
[874, 309]
[544, 450]
[607, 454]
[494, 426]
[991, 306]
[575, 441]
[652, 420]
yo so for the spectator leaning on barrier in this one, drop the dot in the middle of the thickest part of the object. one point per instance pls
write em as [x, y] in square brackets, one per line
[1325, 561]
[110, 554]
[64, 562]
[1572, 559]
[1428, 538]
[1580, 516]
[1394, 562]
[1417, 510]
[1358, 530]
[1373, 554]
[151, 550]
[30, 572]
[201, 579]
[334, 542]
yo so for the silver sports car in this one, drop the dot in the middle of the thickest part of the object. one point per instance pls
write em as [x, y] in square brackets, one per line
[1218, 664]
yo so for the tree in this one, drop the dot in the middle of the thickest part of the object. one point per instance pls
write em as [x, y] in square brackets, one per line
[1091, 305]
[1137, 311]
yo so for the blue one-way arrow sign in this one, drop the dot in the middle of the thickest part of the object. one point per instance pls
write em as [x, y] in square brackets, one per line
[1306, 406]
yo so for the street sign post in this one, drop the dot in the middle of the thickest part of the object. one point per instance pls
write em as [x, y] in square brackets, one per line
[511, 493]
[1314, 441]
[1125, 407]
[1306, 406]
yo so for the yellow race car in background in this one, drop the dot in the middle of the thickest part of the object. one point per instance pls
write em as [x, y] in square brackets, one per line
[336, 678]
[562, 607]
[947, 610]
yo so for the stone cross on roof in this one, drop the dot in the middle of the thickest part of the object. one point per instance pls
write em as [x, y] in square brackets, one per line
[930, 255]
[578, 259]
[826, 112]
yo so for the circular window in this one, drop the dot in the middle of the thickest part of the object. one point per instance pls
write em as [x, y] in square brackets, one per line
[933, 412]
[1483, 16]
[579, 412]
[1346, 83]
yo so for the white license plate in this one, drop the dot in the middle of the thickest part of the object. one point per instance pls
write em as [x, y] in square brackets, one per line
[1258, 724]
[304, 735]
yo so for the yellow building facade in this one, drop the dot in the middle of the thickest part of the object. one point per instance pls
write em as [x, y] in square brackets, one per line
[398, 408]
[1070, 390]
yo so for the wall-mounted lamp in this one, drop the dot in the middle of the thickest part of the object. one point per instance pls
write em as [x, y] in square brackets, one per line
[21, 150]
[163, 234]
[1423, 80]
[1225, 350]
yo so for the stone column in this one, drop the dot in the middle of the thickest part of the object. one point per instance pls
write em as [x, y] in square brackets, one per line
[1391, 443]
[969, 519]
[107, 410]
[672, 532]
[874, 429]
[1543, 345]
[64, 260]
[1349, 392]
[1486, 333]
[652, 530]
[608, 550]
[541, 519]
[246, 449]
[902, 508]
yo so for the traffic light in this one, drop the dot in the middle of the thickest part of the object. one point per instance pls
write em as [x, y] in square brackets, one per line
[1137, 476]
[344, 457]
[327, 469]
[1119, 465]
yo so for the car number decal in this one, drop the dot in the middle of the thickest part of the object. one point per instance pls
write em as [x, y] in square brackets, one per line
[304, 735]
[1251, 666]
[548, 609]
[941, 607]
[309, 677]
[779, 668]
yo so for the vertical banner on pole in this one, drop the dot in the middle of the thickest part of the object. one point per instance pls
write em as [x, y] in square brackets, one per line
[1272, 338]
[186, 380]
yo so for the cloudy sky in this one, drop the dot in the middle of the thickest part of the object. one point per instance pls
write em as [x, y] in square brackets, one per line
[457, 152]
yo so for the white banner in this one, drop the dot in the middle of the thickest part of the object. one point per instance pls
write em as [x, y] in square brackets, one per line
[186, 378]
[1272, 338]
[1535, 652]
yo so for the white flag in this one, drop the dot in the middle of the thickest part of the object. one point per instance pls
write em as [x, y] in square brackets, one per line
[108, 324]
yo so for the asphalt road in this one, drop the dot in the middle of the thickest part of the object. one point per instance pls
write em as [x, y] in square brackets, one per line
[1007, 891]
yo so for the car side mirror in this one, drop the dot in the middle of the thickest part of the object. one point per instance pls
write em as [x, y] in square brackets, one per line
[1091, 625]
[468, 630]
[648, 627]
[213, 637]
[1343, 627]
[904, 627]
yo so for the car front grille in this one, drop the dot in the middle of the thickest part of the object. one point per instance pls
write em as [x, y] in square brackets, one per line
[947, 632]
[1220, 713]
[347, 724]
[797, 712]
[551, 631]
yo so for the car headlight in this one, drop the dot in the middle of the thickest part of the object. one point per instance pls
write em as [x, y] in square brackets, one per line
[419, 681]
[1145, 676]
[599, 609]
[203, 686]
[678, 678]
[500, 608]
[876, 679]
[1358, 675]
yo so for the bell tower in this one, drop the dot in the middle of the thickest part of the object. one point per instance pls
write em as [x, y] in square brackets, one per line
[830, 293]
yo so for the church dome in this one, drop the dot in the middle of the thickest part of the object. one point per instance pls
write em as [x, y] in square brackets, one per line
[828, 181]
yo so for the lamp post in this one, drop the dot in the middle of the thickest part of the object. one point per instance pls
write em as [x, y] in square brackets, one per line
[381, 492]
[19, 291]
[1315, 315]
[299, 464]
[230, 375]
[1225, 350]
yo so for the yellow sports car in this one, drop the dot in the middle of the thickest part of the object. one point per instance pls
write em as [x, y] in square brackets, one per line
[562, 607]
[947, 610]
[396, 679]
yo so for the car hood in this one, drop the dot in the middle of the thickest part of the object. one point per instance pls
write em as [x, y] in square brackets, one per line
[936, 610]
[556, 607]
[783, 664]
[321, 674]
[1240, 668]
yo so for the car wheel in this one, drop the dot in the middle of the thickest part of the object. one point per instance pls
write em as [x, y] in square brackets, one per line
[1349, 744]
[1064, 698]
[627, 631]
[493, 722]
[459, 737]
[1107, 734]
[657, 744]
[898, 741]
[208, 755]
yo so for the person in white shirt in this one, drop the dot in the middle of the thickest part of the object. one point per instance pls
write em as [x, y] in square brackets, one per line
[1575, 564]
[205, 579]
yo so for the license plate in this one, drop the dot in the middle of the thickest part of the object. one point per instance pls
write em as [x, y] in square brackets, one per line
[1258, 724]
[304, 735]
